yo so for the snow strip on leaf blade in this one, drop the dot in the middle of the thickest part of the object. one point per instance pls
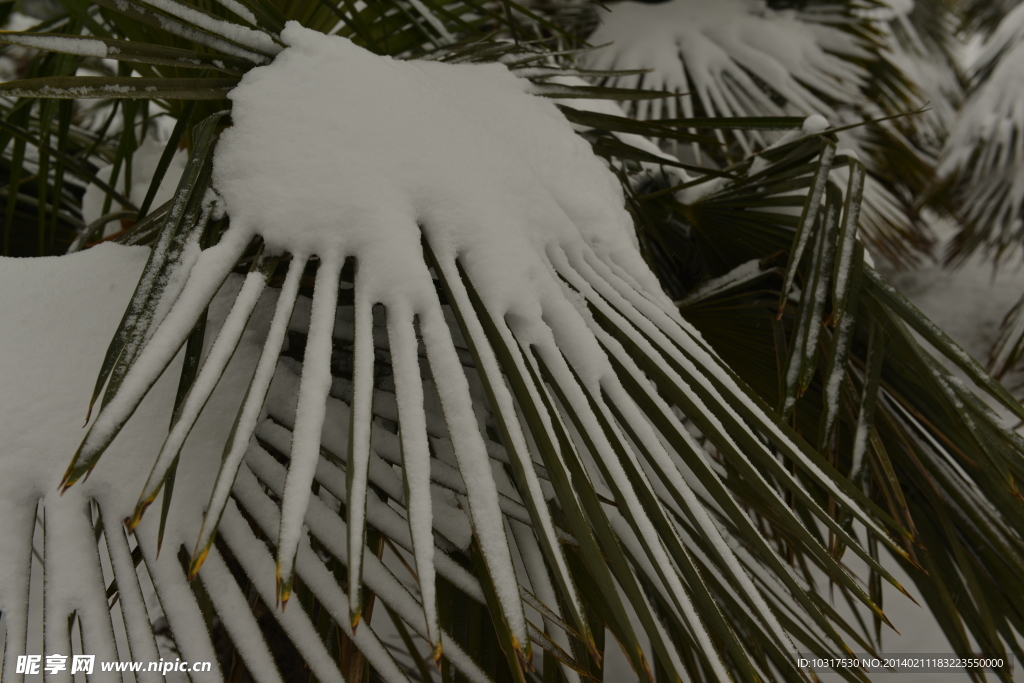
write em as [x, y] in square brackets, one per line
[416, 463]
[309, 419]
[248, 412]
[359, 430]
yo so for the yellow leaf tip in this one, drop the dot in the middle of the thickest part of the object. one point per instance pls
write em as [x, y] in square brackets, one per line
[197, 562]
[284, 589]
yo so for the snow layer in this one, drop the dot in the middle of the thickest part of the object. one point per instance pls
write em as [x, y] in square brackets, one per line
[985, 150]
[698, 46]
[487, 173]
[58, 316]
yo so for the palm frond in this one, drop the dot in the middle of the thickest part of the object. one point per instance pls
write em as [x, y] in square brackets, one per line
[982, 157]
[502, 467]
[741, 59]
[538, 404]
[981, 168]
[843, 367]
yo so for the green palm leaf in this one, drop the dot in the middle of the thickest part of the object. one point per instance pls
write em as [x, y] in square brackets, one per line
[634, 453]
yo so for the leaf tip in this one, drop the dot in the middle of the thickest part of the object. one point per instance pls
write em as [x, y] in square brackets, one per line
[197, 561]
[140, 509]
[646, 666]
[284, 588]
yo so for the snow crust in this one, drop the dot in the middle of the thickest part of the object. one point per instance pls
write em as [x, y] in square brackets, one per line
[491, 174]
[58, 316]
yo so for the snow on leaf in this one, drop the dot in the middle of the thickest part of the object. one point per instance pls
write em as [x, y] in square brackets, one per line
[744, 58]
[727, 53]
[459, 196]
[984, 156]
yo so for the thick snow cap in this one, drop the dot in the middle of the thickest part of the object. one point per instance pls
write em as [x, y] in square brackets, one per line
[338, 152]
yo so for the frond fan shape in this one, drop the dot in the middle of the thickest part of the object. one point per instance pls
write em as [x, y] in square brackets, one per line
[983, 168]
[744, 58]
[984, 157]
[738, 58]
[466, 360]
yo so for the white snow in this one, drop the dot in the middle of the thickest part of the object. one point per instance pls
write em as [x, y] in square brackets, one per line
[86, 47]
[58, 316]
[253, 39]
[355, 175]
[239, 9]
[533, 181]
[815, 123]
[704, 47]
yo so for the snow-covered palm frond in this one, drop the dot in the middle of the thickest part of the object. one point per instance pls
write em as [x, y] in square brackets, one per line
[844, 362]
[921, 42]
[103, 584]
[984, 160]
[733, 58]
[426, 366]
[483, 350]
[983, 167]
[744, 58]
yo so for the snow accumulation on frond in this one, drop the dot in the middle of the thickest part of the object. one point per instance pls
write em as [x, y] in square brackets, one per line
[726, 52]
[742, 58]
[383, 147]
[497, 288]
[383, 154]
[985, 150]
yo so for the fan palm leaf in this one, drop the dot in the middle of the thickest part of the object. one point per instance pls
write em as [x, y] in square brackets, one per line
[858, 388]
[407, 394]
[746, 58]
[981, 166]
[569, 410]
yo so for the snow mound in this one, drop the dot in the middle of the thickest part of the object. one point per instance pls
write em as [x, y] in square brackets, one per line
[59, 314]
[381, 148]
[339, 153]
